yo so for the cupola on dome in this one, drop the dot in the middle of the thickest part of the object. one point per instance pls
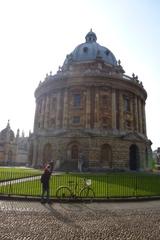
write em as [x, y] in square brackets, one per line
[90, 51]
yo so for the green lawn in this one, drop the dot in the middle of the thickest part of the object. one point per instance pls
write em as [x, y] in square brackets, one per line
[7, 173]
[104, 185]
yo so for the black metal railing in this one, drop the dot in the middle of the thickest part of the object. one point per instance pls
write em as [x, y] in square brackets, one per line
[105, 186]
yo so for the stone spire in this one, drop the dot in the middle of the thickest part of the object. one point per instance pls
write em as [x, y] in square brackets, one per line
[17, 135]
[8, 125]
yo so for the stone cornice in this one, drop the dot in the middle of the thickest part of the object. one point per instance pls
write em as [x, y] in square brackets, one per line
[67, 133]
[116, 81]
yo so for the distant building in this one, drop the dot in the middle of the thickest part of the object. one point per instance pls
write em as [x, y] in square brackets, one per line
[156, 156]
[90, 107]
[13, 149]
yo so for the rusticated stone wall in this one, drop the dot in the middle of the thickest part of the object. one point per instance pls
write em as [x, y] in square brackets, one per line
[60, 147]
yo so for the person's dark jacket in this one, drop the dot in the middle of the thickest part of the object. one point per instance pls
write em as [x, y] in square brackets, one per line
[45, 178]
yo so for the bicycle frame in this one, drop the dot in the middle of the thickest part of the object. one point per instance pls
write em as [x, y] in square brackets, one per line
[73, 189]
[69, 192]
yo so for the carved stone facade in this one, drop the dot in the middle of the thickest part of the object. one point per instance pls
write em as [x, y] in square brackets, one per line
[13, 149]
[90, 109]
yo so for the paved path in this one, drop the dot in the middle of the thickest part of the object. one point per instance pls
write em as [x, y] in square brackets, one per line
[90, 221]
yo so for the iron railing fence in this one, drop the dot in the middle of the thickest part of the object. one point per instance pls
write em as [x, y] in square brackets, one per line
[105, 186]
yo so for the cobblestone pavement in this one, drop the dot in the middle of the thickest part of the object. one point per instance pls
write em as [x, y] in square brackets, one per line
[36, 221]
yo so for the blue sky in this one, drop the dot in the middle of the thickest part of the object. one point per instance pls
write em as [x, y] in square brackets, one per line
[36, 36]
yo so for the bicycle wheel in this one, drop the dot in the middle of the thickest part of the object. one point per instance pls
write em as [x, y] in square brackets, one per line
[63, 193]
[87, 193]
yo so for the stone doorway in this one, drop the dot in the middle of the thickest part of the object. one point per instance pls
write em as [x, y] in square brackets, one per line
[47, 154]
[134, 157]
[74, 156]
[71, 162]
[106, 156]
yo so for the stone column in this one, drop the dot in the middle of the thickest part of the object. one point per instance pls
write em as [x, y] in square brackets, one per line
[58, 109]
[144, 118]
[92, 104]
[40, 153]
[113, 109]
[96, 111]
[65, 109]
[88, 109]
[46, 113]
[53, 110]
[140, 115]
[121, 110]
[42, 113]
[135, 114]
[117, 109]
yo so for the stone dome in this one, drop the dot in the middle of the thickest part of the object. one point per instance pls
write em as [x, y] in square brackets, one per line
[90, 51]
[7, 132]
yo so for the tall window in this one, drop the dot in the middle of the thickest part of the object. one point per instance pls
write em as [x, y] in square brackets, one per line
[40, 106]
[127, 104]
[76, 100]
[54, 103]
[76, 119]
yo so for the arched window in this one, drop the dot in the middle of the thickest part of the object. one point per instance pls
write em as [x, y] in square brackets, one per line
[127, 104]
[76, 100]
[106, 156]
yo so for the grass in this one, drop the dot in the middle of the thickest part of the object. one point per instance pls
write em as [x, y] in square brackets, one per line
[17, 172]
[104, 185]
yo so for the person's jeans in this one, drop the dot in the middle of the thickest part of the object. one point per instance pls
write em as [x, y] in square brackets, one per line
[45, 193]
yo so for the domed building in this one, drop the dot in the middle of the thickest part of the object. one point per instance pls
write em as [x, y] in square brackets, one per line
[90, 115]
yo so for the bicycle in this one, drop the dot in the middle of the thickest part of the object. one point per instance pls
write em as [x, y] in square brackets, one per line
[69, 193]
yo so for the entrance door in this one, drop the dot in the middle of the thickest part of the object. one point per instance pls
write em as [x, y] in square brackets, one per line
[47, 153]
[74, 156]
[106, 156]
[134, 157]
